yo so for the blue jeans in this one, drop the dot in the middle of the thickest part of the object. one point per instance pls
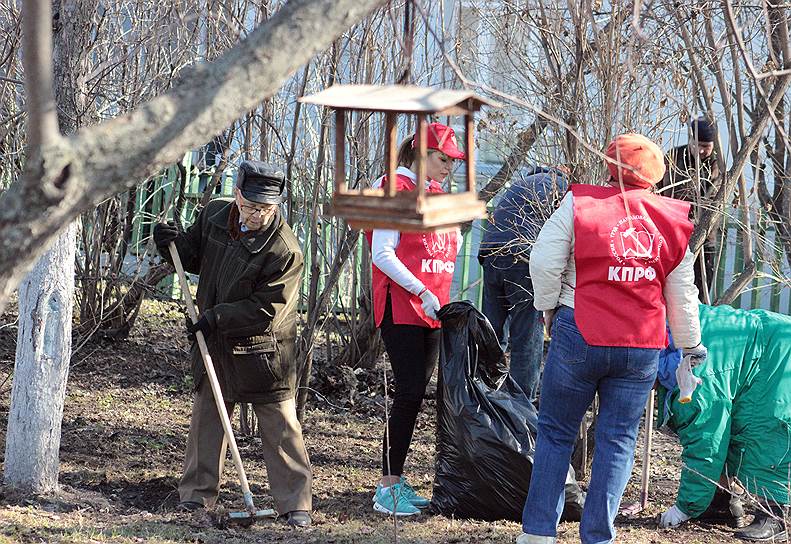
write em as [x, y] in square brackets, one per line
[574, 372]
[508, 304]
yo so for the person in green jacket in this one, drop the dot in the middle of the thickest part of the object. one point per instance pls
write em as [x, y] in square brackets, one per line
[738, 423]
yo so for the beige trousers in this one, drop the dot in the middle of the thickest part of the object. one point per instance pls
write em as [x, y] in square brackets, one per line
[285, 456]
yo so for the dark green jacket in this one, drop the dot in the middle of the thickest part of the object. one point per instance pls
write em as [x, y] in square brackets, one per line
[249, 288]
[739, 420]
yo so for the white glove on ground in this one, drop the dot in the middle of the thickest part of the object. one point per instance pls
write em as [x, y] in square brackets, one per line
[697, 355]
[430, 303]
[672, 518]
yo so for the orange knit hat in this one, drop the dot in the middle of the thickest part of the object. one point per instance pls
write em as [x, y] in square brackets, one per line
[636, 160]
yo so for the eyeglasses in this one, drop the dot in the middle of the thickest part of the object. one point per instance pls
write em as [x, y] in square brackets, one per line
[252, 210]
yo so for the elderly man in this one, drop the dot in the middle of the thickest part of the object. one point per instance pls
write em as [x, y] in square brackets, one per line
[249, 265]
[692, 175]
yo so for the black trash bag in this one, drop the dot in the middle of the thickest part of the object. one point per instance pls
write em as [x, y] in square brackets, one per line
[486, 426]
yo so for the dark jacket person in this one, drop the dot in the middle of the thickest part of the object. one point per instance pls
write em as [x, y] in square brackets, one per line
[249, 265]
[693, 176]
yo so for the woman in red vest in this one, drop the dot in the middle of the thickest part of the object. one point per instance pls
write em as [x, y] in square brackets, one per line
[411, 277]
[608, 268]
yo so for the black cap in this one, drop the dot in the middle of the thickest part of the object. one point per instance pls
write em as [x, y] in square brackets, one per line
[261, 182]
[703, 130]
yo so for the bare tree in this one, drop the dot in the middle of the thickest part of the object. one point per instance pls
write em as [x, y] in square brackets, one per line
[43, 345]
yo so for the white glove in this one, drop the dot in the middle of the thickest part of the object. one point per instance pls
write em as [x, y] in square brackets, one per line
[672, 518]
[687, 381]
[430, 303]
[697, 355]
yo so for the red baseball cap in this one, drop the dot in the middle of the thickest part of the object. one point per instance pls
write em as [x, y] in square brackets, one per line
[442, 138]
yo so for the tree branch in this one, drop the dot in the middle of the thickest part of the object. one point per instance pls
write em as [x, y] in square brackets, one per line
[42, 118]
[727, 187]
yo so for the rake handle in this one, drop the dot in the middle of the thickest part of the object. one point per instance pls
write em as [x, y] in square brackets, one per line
[649, 428]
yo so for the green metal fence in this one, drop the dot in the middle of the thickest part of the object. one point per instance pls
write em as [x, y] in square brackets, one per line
[768, 290]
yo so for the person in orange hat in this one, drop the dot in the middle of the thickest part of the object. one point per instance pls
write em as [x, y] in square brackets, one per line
[411, 277]
[608, 268]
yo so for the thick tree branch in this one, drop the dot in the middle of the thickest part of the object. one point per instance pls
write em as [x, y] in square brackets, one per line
[103, 159]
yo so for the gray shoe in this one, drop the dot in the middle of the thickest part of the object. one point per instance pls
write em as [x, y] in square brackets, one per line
[297, 518]
[525, 538]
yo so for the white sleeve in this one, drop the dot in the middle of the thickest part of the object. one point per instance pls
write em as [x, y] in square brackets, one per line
[550, 255]
[383, 251]
[681, 299]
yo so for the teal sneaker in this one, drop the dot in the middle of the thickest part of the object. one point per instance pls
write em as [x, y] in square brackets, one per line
[393, 501]
[412, 496]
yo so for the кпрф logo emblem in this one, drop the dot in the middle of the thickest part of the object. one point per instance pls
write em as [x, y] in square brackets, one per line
[635, 237]
[637, 243]
[439, 244]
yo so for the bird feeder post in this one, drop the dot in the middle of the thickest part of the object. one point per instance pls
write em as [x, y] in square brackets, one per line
[391, 137]
[469, 137]
[421, 146]
[340, 151]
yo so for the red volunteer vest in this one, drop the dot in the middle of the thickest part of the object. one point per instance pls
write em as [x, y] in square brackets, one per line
[430, 256]
[622, 263]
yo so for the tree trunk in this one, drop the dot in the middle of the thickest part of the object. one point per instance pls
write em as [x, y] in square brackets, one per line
[42, 365]
[46, 297]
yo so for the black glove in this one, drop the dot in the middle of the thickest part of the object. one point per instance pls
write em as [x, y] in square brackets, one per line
[164, 233]
[203, 325]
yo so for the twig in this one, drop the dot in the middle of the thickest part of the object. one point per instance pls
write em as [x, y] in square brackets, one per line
[323, 398]
[12, 80]
[14, 322]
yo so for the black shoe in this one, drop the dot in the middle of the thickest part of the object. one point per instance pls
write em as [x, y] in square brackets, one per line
[763, 529]
[297, 518]
[188, 506]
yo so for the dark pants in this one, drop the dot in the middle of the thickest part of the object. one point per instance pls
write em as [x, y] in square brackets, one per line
[508, 304]
[707, 258]
[413, 353]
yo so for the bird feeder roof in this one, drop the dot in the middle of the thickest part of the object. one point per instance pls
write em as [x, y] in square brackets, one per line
[399, 98]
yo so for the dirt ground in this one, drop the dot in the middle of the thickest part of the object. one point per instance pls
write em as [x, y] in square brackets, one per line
[124, 430]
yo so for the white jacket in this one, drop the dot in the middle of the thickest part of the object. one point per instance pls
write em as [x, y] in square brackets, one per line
[554, 276]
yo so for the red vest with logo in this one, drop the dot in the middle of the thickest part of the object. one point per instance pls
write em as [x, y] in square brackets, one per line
[430, 256]
[622, 263]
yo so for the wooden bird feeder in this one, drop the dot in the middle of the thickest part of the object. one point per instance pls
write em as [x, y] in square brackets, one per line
[386, 208]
